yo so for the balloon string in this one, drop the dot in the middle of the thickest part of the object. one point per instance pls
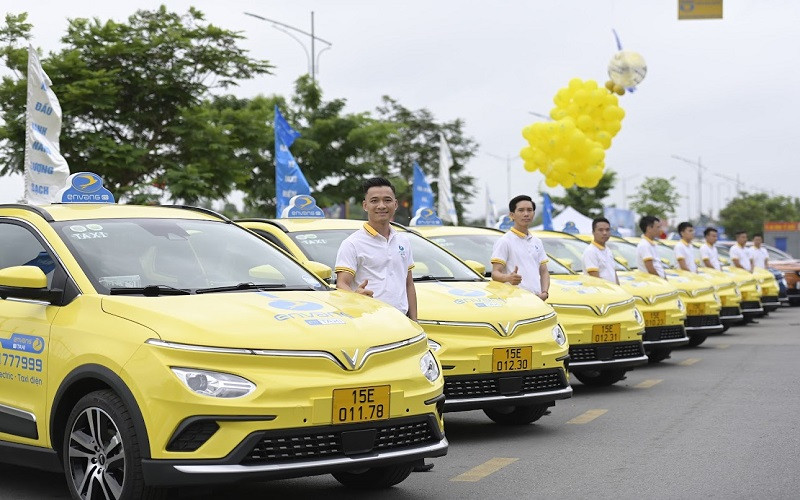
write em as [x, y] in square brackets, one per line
[616, 37]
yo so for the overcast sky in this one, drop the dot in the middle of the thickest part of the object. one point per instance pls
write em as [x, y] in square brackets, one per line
[723, 90]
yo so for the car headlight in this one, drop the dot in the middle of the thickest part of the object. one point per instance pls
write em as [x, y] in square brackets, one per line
[637, 316]
[429, 367]
[558, 335]
[738, 292]
[716, 297]
[783, 282]
[758, 288]
[681, 307]
[433, 345]
[214, 384]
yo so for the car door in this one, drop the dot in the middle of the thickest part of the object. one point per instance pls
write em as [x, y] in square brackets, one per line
[24, 336]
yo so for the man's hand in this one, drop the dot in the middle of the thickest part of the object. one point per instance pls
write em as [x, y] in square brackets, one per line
[513, 277]
[362, 289]
[543, 295]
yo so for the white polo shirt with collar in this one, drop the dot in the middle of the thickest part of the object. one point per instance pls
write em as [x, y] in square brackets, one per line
[646, 250]
[383, 262]
[710, 252]
[759, 256]
[741, 253]
[600, 259]
[523, 251]
[685, 253]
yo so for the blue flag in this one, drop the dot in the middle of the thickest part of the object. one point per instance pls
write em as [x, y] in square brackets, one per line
[547, 213]
[289, 179]
[422, 192]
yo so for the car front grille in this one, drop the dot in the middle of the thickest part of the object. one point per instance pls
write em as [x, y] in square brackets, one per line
[705, 320]
[342, 440]
[769, 299]
[605, 352]
[730, 311]
[669, 332]
[751, 304]
[498, 384]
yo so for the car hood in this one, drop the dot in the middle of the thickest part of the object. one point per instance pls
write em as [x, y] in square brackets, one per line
[291, 320]
[689, 282]
[484, 301]
[585, 290]
[645, 285]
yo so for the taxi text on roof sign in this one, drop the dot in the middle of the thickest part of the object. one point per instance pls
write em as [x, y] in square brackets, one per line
[84, 187]
[699, 9]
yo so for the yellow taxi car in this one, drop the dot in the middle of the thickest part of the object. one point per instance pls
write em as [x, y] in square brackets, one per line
[603, 326]
[727, 290]
[501, 348]
[147, 346]
[769, 288]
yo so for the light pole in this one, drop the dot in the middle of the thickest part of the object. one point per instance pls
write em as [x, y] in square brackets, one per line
[625, 191]
[700, 168]
[313, 57]
[507, 158]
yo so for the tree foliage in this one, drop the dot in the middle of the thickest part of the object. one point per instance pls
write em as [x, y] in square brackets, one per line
[656, 196]
[748, 212]
[588, 201]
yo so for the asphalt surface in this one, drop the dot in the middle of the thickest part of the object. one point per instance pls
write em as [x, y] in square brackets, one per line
[716, 421]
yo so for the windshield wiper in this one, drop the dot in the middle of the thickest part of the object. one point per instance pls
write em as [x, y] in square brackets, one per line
[149, 290]
[241, 286]
[429, 277]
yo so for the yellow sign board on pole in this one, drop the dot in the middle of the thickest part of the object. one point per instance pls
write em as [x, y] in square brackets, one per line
[699, 9]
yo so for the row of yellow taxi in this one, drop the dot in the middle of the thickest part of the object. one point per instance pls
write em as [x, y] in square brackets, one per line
[143, 347]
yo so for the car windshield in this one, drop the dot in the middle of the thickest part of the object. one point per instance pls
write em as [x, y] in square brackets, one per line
[177, 254]
[775, 254]
[429, 260]
[724, 250]
[478, 247]
[668, 253]
[624, 250]
[570, 250]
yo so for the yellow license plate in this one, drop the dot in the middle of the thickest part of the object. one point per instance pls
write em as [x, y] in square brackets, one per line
[605, 333]
[695, 309]
[512, 359]
[655, 318]
[361, 404]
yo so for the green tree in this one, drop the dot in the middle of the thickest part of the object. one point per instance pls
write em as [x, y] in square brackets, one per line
[656, 196]
[132, 97]
[416, 138]
[588, 201]
[748, 211]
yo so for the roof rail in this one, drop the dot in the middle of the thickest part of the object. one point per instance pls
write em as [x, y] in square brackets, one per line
[44, 214]
[202, 210]
[271, 222]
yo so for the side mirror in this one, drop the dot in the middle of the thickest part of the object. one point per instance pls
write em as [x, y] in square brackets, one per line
[622, 260]
[476, 266]
[321, 270]
[266, 272]
[666, 262]
[566, 263]
[421, 269]
[724, 261]
[25, 282]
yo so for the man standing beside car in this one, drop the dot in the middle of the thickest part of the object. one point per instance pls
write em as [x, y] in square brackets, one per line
[708, 251]
[646, 251]
[598, 261]
[518, 257]
[740, 256]
[684, 251]
[758, 254]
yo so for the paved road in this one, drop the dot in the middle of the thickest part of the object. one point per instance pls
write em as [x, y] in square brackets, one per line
[716, 421]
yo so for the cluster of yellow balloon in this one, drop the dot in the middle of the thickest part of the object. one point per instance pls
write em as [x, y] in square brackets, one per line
[595, 110]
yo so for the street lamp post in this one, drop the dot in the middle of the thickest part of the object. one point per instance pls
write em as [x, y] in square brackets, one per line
[700, 168]
[507, 158]
[624, 191]
[313, 57]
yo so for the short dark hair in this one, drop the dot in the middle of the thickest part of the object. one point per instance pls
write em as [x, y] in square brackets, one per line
[376, 182]
[758, 235]
[512, 205]
[647, 221]
[737, 233]
[709, 230]
[683, 226]
[598, 220]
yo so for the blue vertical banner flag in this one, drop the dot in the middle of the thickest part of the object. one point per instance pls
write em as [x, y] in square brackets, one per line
[547, 213]
[422, 192]
[289, 179]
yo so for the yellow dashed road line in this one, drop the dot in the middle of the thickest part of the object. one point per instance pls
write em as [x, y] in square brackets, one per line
[646, 384]
[689, 361]
[722, 346]
[489, 467]
[587, 417]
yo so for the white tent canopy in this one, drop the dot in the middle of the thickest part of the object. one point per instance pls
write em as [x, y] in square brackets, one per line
[569, 214]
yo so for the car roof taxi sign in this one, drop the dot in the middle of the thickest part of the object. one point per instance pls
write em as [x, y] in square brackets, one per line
[302, 206]
[504, 223]
[425, 217]
[84, 187]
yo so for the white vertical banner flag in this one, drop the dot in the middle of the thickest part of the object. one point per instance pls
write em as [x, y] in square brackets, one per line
[46, 171]
[445, 206]
[491, 210]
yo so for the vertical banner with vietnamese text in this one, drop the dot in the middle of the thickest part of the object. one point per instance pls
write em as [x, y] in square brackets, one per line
[46, 170]
[422, 194]
[447, 207]
[289, 179]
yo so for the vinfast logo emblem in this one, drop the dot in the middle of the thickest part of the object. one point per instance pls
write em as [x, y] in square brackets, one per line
[352, 361]
[505, 328]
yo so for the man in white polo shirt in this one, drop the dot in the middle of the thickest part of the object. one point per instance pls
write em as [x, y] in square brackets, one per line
[684, 251]
[598, 261]
[708, 250]
[518, 257]
[758, 253]
[377, 260]
[647, 254]
[740, 257]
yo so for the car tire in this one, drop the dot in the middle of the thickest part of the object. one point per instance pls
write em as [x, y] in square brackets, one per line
[659, 355]
[516, 415]
[376, 477]
[101, 453]
[600, 378]
[696, 340]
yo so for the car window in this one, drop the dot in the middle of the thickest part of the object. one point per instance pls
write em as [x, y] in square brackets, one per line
[624, 250]
[188, 254]
[19, 247]
[271, 238]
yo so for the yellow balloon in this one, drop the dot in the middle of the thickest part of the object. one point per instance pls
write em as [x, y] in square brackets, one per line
[550, 182]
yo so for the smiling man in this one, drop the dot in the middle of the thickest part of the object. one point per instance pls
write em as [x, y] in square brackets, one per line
[518, 257]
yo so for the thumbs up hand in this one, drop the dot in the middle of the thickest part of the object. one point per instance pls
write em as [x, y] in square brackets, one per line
[362, 289]
[514, 278]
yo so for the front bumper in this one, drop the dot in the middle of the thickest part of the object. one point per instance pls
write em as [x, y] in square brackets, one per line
[614, 355]
[308, 451]
[472, 392]
[730, 315]
[770, 302]
[752, 308]
[703, 325]
[668, 336]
